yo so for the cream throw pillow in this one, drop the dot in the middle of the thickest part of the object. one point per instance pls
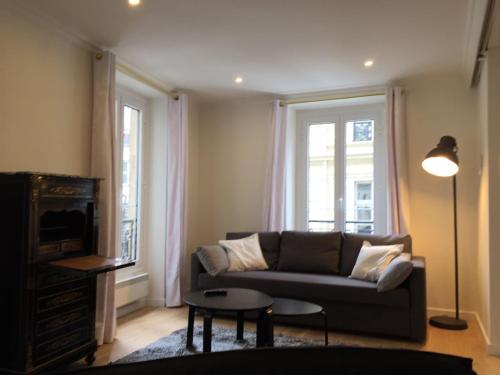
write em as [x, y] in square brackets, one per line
[373, 260]
[244, 254]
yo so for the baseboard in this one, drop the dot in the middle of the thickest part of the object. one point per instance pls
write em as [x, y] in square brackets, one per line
[155, 302]
[493, 349]
[469, 315]
[483, 330]
[131, 307]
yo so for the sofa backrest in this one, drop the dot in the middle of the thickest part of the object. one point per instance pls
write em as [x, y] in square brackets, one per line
[270, 243]
[352, 243]
[310, 252]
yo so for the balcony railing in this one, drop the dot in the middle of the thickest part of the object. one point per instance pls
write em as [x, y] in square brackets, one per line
[352, 226]
[129, 239]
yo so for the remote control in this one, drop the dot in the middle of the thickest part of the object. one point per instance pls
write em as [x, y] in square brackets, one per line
[215, 292]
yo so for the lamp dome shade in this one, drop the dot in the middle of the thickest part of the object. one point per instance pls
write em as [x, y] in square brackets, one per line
[443, 160]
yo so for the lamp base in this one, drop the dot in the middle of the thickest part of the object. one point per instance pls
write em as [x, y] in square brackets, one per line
[448, 322]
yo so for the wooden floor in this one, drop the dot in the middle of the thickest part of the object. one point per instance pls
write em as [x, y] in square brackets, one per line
[145, 326]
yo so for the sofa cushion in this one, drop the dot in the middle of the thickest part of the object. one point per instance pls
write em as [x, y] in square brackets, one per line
[244, 254]
[353, 242]
[310, 252]
[213, 258]
[269, 243]
[373, 260]
[396, 273]
[308, 287]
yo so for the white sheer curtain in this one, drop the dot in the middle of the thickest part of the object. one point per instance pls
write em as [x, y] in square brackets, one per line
[177, 161]
[398, 199]
[275, 190]
[105, 161]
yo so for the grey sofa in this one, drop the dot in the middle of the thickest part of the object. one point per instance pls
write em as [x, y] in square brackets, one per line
[351, 305]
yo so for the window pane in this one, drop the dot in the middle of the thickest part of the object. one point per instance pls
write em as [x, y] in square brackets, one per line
[364, 191]
[359, 176]
[362, 131]
[130, 181]
[321, 177]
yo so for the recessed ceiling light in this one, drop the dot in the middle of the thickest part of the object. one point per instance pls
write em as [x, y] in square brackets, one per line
[238, 79]
[134, 3]
[368, 63]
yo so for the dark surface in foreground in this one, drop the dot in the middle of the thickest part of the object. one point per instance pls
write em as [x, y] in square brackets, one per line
[331, 360]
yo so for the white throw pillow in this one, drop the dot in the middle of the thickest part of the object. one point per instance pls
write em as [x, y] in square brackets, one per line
[244, 254]
[373, 260]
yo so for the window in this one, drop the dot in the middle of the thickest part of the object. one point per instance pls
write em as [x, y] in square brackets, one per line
[341, 172]
[130, 120]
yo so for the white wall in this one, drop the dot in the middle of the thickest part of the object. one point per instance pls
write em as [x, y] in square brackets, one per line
[483, 256]
[440, 105]
[234, 143]
[488, 277]
[493, 139]
[45, 99]
[233, 153]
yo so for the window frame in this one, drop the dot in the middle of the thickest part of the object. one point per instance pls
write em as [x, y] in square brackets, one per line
[340, 116]
[125, 97]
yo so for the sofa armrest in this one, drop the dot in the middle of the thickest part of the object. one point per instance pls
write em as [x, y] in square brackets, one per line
[196, 269]
[418, 302]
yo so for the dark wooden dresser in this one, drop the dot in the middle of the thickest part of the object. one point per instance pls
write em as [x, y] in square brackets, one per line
[49, 265]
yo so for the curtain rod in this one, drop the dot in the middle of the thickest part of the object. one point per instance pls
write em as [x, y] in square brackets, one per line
[139, 77]
[327, 98]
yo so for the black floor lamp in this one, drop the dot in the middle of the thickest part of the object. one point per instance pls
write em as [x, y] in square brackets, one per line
[443, 161]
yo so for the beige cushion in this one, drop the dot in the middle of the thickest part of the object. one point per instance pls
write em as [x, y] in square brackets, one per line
[244, 254]
[373, 260]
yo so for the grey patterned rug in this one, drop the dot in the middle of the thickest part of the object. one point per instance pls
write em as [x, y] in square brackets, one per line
[223, 339]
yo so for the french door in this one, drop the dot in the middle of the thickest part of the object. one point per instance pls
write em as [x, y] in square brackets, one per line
[341, 170]
[130, 118]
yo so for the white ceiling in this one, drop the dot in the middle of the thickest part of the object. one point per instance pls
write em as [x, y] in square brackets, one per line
[278, 46]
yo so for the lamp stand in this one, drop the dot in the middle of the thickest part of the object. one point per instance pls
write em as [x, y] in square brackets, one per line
[444, 321]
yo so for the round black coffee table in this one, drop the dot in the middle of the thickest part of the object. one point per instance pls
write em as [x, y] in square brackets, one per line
[236, 300]
[292, 307]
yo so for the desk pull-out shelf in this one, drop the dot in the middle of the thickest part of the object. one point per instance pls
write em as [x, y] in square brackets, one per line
[92, 264]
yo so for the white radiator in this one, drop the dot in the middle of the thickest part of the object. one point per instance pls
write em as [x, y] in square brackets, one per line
[131, 290]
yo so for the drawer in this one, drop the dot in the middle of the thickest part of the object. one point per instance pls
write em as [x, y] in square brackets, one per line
[49, 276]
[65, 298]
[49, 248]
[63, 188]
[60, 321]
[72, 245]
[54, 277]
[61, 343]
